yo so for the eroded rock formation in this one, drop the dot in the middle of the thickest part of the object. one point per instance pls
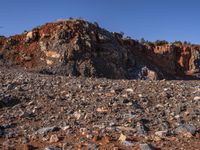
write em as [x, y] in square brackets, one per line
[79, 48]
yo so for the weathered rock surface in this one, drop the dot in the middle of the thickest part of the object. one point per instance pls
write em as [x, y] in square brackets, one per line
[58, 112]
[79, 48]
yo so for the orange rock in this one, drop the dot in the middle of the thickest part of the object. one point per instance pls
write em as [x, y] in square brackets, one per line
[102, 110]
[54, 138]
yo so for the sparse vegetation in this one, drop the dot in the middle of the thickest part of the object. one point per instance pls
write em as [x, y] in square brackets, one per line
[186, 43]
[122, 33]
[142, 41]
[128, 37]
[161, 42]
[178, 42]
[1, 36]
[96, 24]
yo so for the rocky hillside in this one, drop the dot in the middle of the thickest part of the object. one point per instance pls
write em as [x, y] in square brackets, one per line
[47, 103]
[79, 48]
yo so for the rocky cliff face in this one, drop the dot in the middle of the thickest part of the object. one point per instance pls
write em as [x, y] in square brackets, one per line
[79, 48]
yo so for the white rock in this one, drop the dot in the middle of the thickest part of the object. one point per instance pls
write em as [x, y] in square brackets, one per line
[77, 115]
[65, 128]
[161, 133]
[129, 90]
[197, 98]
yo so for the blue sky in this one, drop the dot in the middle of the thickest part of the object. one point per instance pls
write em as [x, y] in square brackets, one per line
[152, 19]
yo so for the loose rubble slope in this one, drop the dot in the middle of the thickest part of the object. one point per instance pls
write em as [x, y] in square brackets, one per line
[43, 111]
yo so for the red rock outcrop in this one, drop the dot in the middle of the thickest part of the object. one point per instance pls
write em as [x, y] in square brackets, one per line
[176, 60]
[79, 48]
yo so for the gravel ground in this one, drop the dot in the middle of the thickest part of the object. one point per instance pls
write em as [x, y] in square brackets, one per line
[55, 112]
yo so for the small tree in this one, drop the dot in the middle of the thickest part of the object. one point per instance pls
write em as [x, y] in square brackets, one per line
[122, 33]
[142, 41]
[128, 37]
[96, 24]
[186, 43]
[160, 43]
[0, 34]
